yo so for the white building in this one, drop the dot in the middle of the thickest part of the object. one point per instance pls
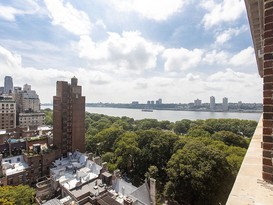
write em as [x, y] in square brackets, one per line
[225, 104]
[197, 102]
[212, 103]
[31, 101]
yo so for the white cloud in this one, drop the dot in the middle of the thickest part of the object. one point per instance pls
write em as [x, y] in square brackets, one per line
[181, 59]
[226, 35]
[229, 75]
[242, 60]
[235, 85]
[65, 15]
[8, 61]
[192, 77]
[226, 11]
[245, 57]
[152, 9]
[9, 13]
[129, 51]
[216, 57]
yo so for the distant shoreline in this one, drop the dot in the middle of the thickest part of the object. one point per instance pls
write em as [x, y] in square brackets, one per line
[143, 106]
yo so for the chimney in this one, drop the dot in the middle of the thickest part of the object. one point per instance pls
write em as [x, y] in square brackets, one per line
[104, 166]
[127, 201]
[153, 190]
[90, 156]
[97, 160]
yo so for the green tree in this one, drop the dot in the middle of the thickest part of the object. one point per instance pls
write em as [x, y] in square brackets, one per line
[147, 124]
[198, 131]
[229, 138]
[182, 127]
[48, 116]
[19, 195]
[199, 174]
[127, 151]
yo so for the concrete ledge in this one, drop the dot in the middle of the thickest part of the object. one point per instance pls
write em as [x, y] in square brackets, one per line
[249, 187]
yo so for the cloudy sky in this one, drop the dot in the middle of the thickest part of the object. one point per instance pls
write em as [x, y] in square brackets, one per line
[131, 50]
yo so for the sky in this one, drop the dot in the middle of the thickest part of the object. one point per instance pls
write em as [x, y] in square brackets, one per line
[131, 50]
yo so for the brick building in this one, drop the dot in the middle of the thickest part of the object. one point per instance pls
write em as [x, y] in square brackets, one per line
[68, 117]
[26, 155]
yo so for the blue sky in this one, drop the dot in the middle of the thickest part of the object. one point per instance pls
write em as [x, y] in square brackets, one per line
[131, 50]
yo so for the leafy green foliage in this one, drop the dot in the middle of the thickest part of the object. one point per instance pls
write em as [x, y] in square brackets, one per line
[229, 138]
[20, 195]
[194, 162]
[48, 116]
[195, 172]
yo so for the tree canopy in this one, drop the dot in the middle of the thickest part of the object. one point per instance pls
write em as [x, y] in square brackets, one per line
[19, 195]
[192, 161]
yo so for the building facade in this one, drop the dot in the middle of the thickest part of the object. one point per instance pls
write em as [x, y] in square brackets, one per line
[31, 101]
[27, 106]
[225, 104]
[8, 85]
[68, 117]
[7, 114]
[31, 119]
[212, 103]
[197, 102]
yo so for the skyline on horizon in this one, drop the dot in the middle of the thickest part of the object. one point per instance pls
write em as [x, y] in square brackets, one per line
[123, 51]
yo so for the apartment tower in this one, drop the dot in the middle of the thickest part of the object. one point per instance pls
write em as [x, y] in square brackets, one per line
[68, 117]
[225, 104]
[8, 85]
[212, 103]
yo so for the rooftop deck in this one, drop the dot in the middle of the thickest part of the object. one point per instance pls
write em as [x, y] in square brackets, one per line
[249, 187]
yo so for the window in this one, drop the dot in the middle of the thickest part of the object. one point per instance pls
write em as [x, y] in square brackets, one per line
[18, 159]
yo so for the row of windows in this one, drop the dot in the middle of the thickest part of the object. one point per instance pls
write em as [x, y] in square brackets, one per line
[8, 111]
[33, 118]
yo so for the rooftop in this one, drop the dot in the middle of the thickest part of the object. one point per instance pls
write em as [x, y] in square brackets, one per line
[13, 165]
[80, 176]
[95, 188]
[74, 170]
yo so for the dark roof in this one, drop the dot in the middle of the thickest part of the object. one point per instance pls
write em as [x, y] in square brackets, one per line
[107, 200]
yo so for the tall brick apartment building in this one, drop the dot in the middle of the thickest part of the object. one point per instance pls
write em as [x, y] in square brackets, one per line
[68, 117]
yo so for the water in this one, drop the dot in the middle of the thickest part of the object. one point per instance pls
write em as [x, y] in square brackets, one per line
[168, 114]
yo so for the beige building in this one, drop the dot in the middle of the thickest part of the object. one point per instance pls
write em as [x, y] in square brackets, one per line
[31, 101]
[7, 114]
[30, 119]
[27, 100]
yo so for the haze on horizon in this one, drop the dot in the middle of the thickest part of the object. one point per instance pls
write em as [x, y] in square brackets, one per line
[131, 50]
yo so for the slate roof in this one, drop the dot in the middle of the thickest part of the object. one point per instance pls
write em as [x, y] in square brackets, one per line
[142, 195]
[53, 202]
[123, 187]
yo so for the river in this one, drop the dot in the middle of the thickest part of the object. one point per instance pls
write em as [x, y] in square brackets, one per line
[168, 114]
